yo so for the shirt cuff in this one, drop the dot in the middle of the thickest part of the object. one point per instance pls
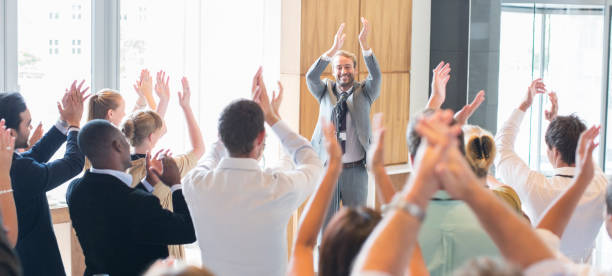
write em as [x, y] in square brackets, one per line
[325, 58]
[367, 53]
[175, 187]
[147, 185]
[281, 129]
[62, 126]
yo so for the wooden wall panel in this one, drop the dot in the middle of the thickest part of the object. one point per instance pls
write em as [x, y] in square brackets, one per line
[394, 101]
[390, 34]
[320, 21]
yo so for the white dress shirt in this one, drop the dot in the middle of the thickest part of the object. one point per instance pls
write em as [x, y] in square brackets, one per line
[537, 192]
[560, 265]
[127, 178]
[240, 211]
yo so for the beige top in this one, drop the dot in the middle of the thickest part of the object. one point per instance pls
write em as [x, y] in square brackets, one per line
[185, 163]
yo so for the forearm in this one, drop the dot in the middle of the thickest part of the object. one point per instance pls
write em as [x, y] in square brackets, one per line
[435, 102]
[195, 135]
[511, 234]
[558, 215]
[317, 208]
[151, 101]
[162, 107]
[384, 186]
[389, 247]
[9, 213]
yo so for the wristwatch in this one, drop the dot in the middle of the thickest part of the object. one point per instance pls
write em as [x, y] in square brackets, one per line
[398, 202]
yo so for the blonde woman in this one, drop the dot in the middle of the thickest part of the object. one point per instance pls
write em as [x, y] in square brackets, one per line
[144, 129]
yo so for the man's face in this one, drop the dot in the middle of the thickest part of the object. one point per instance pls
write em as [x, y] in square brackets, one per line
[22, 134]
[343, 70]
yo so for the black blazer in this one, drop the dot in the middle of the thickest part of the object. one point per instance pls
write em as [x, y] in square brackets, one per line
[32, 177]
[123, 230]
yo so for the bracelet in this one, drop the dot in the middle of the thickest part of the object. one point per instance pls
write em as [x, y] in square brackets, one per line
[6, 191]
[398, 202]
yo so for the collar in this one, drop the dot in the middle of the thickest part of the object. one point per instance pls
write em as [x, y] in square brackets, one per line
[124, 177]
[441, 195]
[137, 156]
[338, 90]
[239, 163]
[565, 171]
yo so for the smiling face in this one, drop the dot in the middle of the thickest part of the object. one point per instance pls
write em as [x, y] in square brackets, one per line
[344, 71]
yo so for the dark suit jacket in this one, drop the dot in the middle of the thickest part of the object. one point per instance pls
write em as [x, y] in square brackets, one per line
[123, 230]
[32, 177]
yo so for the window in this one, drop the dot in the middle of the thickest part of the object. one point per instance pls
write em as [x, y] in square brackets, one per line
[558, 37]
[198, 40]
[44, 71]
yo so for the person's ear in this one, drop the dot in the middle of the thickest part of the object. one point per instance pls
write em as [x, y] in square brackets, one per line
[116, 146]
[261, 138]
[109, 114]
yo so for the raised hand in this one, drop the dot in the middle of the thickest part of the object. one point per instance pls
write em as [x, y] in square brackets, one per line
[338, 41]
[376, 157]
[71, 107]
[537, 87]
[162, 89]
[144, 88]
[186, 95]
[439, 80]
[331, 143]
[277, 99]
[7, 147]
[439, 137]
[554, 107]
[36, 135]
[260, 96]
[584, 154]
[466, 112]
[363, 35]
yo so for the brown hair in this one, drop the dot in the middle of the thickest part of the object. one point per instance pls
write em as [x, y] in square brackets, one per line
[485, 266]
[140, 125]
[101, 102]
[343, 238]
[347, 54]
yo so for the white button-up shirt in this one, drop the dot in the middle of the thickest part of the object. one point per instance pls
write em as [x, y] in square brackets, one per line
[240, 212]
[537, 192]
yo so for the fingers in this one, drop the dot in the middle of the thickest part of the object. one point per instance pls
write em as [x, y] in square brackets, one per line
[340, 30]
[256, 79]
[437, 69]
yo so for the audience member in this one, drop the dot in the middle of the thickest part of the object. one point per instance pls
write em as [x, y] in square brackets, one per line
[347, 104]
[170, 267]
[123, 230]
[9, 263]
[144, 129]
[440, 165]
[240, 210]
[538, 191]
[33, 175]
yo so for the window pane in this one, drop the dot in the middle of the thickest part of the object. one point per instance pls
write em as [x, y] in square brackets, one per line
[218, 53]
[48, 61]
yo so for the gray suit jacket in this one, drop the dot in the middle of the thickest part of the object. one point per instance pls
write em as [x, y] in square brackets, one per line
[359, 102]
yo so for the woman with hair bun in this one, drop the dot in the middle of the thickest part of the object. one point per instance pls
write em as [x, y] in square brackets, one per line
[143, 130]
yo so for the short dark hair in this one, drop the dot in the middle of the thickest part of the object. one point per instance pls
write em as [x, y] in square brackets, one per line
[239, 124]
[414, 139]
[343, 238]
[563, 134]
[96, 137]
[12, 105]
[609, 199]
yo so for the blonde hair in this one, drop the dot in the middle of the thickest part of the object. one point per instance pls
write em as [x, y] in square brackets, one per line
[479, 149]
[140, 125]
[103, 101]
[347, 54]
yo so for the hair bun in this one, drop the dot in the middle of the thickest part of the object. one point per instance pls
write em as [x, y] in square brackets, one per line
[128, 128]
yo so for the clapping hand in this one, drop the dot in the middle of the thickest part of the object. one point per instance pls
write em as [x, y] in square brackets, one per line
[260, 96]
[185, 96]
[536, 87]
[71, 107]
[554, 107]
[363, 35]
[338, 41]
[162, 88]
[466, 112]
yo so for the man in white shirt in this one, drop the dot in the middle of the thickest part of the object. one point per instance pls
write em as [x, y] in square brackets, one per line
[536, 190]
[240, 210]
